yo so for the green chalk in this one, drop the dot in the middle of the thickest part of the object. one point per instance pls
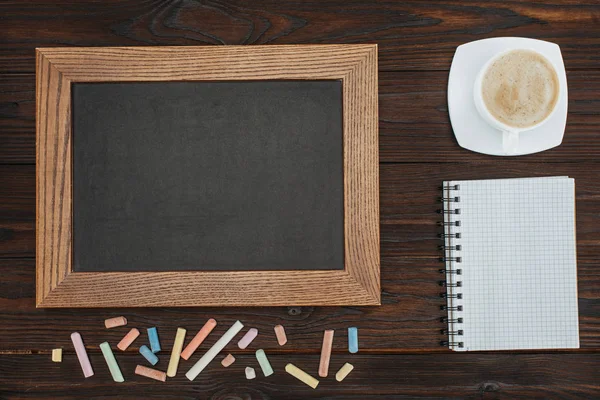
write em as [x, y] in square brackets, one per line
[265, 365]
[115, 371]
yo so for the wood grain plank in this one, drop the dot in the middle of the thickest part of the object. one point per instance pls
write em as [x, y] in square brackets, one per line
[412, 36]
[464, 376]
[413, 120]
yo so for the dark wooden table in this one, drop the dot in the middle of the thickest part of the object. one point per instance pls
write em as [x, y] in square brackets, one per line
[400, 356]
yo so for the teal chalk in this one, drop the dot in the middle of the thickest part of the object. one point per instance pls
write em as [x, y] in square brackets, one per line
[153, 338]
[148, 355]
[115, 371]
[265, 365]
[353, 340]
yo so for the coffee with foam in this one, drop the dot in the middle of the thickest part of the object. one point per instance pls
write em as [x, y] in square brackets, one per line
[520, 88]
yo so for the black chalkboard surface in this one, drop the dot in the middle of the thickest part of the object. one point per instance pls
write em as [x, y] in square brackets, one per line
[173, 176]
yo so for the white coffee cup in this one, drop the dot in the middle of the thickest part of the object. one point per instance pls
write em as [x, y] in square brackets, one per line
[510, 134]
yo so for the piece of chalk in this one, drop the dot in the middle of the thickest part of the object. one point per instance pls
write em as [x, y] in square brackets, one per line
[150, 373]
[250, 373]
[265, 365]
[198, 339]
[248, 338]
[153, 339]
[176, 353]
[128, 339]
[301, 375]
[343, 372]
[114, 322]
[326, 353]
[227, 361]
[115, 371]
[148, 354]
[353, 340]
[214, 350]
[57, 355]
[280, 333]
[82, 355]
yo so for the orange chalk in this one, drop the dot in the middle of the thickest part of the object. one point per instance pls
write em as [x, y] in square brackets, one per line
[198, 339]
[227, 361]
[114, 322]
[326, 353]
[128, 339]
[280, 333]
[151, 373]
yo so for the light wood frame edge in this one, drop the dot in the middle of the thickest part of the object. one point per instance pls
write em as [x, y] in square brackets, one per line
[57, 68]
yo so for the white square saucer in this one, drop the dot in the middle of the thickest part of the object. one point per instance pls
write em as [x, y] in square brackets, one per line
[471, 131]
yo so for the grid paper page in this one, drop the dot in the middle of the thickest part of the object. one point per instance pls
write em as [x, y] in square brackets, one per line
[518, 262]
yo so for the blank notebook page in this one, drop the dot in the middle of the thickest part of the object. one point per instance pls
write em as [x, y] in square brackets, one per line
[518, 262]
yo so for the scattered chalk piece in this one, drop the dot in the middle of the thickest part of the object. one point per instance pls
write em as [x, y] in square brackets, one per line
[265, 365]
[326, 353]
[153, 339]
[113, 367]
[82, 355]
[176, 353]
[227, 361]
[353, 340]
[248, 338]
[280, 333]
[115, 322]
[198, 339]
[150, 373]
[128, 339]
[343, 372]
[301, 375]
[57, 355]
[148, 354]
[250, 373]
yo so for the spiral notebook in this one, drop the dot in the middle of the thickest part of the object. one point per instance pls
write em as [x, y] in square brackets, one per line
[511, 267]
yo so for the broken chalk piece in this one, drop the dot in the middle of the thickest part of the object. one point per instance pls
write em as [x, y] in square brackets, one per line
[115, 371]
[57, 355]
[176, 352]
[214, 350]
[198, 339]
[150, 373]
[326, 353]
[148, 354]
[301, 375]
[353, 340]
[82, 355]
[153, 339]
[280, 333]
[250, 373]
[265, 365]
[248, 338]
[343, 372]
[128, 339]
[227, 361]
[114, 322]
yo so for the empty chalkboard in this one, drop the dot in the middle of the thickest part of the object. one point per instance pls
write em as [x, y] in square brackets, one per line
[171, 176]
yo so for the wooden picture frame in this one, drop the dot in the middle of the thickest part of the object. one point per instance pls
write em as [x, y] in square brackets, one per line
[58, 286]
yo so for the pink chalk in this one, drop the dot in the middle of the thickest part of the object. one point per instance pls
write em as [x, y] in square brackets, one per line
[248, 338]
[82, 355]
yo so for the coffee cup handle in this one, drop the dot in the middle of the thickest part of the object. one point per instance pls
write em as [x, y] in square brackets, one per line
[510, 142]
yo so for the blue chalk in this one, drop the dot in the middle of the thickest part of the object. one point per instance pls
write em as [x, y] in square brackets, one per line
[353, 340]
[153, 338]
[148, 355]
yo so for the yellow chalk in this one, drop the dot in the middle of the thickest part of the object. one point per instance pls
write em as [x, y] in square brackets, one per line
[57, 355]
[343, 372]
[176, 353]
[301, 375]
